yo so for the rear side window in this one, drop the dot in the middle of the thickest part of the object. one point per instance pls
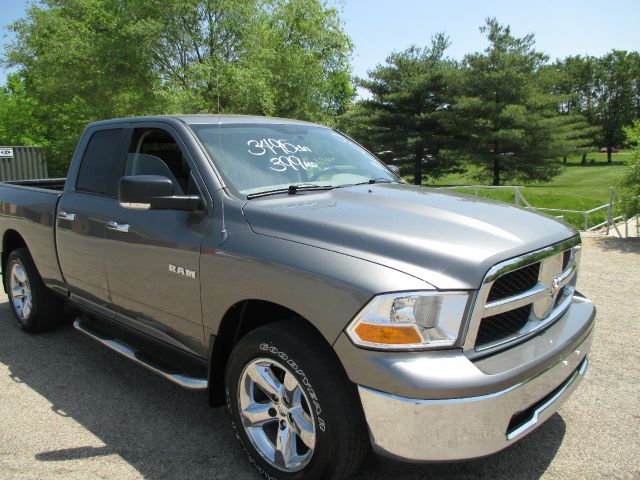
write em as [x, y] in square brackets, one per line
[98, 162]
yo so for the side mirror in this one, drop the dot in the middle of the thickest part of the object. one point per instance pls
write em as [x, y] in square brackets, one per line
[394, 169]
[153, 192]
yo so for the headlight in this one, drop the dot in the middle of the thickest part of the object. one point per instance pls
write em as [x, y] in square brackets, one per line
[410, 320]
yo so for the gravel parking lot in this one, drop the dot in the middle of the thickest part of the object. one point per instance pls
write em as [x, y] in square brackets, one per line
[70, 408]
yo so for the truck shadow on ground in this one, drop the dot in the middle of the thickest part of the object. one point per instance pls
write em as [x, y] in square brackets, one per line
[622, 245]
[165, 432]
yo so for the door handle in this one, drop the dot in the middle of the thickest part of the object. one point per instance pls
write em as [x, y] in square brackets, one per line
[66, 216]
[118, 227]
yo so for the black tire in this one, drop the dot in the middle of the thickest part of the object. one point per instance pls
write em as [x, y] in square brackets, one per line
[46, 310]
[341, 439]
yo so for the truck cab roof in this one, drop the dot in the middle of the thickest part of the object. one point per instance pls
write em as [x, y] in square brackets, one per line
[204, 119]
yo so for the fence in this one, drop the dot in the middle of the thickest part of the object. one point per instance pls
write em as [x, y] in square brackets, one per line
[22, 163]
[519, 198]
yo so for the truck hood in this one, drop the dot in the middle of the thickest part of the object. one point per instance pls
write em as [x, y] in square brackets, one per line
[446, 239]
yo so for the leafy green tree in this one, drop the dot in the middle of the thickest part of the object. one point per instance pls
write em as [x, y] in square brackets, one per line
[408, 114]
[17, 112]
[573, 80]
[81, 60]
[615, 90]
[629, 180]
[511, 125]
[634, 63]
[275, 57]
[631, 177]
[606, 91]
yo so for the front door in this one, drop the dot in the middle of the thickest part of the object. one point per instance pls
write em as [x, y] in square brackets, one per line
[153, 256]
[82, 214]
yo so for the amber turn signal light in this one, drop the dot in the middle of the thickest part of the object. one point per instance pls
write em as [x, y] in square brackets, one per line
[385, 334]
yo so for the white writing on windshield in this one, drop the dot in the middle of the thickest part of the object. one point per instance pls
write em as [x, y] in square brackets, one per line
[282, 163]
[284, 150]
[275, 146]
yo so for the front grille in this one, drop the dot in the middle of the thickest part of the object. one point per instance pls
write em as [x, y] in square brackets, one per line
[523, 295]
[514, 283]
[560, 297]
[503, 325]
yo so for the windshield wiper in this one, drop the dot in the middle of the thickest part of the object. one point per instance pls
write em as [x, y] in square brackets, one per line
[371, 181]
[291, 189]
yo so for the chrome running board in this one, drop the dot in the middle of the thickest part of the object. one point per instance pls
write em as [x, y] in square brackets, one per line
[183, 380]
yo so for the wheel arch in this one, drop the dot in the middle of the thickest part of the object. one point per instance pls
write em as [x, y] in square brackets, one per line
[240, 319]
[11, 240]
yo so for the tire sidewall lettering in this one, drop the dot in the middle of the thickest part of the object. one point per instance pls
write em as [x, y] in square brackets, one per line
[303, 379]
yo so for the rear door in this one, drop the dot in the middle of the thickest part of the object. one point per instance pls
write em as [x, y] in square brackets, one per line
[153, 256]
[83, 212]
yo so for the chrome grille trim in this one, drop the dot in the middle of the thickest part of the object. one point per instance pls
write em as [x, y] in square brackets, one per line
[517, 301]
[553, 285]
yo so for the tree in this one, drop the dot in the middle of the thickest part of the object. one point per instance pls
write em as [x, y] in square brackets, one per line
[631, 177]
[82, 60]
[17, 114]
[614, 87]
[273, 57]
[572, 80]
[634, 63]
[629, 181]
[511, 126]
[408, 112]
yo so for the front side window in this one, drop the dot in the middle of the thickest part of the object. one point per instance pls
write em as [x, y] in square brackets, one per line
[156, 152]
[256, 158]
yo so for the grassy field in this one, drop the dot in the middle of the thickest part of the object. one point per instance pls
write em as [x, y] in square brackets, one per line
[576, 188]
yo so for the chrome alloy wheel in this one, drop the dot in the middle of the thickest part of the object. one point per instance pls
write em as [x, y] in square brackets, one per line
[276, 414]
[20, 292]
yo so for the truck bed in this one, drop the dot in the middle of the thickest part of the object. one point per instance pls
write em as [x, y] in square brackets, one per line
[28, 210]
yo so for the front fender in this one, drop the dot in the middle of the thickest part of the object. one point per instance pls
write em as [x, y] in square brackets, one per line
[325, 287]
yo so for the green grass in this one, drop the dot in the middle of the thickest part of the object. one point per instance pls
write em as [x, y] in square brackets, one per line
[578, 187]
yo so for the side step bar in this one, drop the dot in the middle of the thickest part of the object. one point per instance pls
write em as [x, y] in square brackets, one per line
[184, 381]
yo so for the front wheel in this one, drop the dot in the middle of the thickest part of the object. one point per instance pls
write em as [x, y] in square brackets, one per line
[292, 406]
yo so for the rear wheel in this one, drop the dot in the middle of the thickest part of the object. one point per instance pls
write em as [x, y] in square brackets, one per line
[34, 306]
[292, 406]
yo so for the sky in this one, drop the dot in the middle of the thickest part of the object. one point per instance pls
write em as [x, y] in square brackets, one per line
[379, 27]
[561, 27]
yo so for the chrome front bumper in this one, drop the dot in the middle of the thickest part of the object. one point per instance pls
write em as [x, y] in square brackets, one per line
[419, 430]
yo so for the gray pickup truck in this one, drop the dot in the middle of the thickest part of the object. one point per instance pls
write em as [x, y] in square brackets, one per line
[330, 305]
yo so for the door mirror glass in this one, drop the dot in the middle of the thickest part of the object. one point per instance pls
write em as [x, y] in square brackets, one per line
[153, 192]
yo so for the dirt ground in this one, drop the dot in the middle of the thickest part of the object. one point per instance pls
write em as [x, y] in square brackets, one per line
[72, 409]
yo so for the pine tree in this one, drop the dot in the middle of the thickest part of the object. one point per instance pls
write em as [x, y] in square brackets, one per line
[408, 115]
[511, 125]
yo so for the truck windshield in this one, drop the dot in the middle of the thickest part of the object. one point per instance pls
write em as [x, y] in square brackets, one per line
[259, 158]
